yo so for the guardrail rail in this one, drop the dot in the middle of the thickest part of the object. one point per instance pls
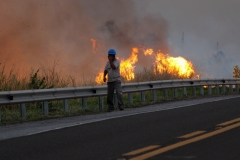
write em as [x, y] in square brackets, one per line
[22, 97]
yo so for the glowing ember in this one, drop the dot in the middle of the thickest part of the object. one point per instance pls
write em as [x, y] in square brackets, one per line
[208, 86]
[94, 45]
[148, 52]
[177, 66]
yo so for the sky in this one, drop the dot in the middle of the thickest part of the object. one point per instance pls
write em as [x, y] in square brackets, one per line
[58, 33]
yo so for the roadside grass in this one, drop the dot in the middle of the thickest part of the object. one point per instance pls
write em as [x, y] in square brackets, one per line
[44, 78]
[11, 114]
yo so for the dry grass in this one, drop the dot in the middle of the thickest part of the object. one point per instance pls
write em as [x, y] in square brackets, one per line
[10, 80]
[50, 77]
[148, 74]
[44, 77]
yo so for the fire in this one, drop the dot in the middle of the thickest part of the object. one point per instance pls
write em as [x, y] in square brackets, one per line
[99, 78]
[126, 67]
[174, 65]
[163, 63]
[148, 51]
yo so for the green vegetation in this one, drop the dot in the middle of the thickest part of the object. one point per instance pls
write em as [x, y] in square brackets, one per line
[11, 114]
[49, 78]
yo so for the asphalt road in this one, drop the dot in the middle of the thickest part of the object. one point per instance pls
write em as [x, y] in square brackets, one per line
[204, 131]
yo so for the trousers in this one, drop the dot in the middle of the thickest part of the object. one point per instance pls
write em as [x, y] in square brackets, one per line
[110, 94]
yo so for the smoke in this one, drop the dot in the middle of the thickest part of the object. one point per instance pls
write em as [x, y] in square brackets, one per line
[43, 33]
[204, 23]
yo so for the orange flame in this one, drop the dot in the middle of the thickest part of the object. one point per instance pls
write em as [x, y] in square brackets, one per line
[99, 78]
[177, 66]
[148, 51]
[126, 67]
[174, 65]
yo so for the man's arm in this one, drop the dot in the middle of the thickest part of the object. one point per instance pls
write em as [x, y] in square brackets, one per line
[112, 65]
[104, 75]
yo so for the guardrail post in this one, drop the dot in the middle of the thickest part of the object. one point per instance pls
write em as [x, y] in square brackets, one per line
[165, 93]
[230, 88]
[100, 102]
[201, 90]
[45, 108]
[22, 110]
[84, 102]
[194, 91]
[154, 95]
[185, 91]
[142, 95]
[130, 98]
[216, 89]
[237, 88]
[0, 114]
[65, 105]
[209, 90]
[223, 89]
[175, 92]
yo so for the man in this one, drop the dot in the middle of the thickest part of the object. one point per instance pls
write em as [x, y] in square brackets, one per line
[112, 69]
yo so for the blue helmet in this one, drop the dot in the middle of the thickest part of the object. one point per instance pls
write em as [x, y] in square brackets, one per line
[112, 51]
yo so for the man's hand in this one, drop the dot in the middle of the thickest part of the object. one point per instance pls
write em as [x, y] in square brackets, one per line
[104, 79]
[110, 58]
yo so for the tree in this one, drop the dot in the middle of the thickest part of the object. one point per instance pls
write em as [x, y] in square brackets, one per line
[236, 72]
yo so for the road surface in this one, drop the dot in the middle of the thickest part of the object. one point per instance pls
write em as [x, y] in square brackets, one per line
[208, 130]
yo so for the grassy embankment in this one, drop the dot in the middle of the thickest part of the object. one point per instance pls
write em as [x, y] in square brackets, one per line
[49, 78]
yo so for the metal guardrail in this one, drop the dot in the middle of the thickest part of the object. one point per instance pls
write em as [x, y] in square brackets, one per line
[44, 95]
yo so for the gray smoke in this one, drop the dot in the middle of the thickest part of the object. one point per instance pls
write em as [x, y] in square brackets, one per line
[43, 32]
[204, 23]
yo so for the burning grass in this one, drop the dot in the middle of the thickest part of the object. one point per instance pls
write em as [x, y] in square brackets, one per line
[149, 74]
[43, 78]
[162, 67]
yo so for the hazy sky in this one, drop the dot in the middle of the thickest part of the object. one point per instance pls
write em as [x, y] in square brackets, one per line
[211, 20]
[204, 23]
